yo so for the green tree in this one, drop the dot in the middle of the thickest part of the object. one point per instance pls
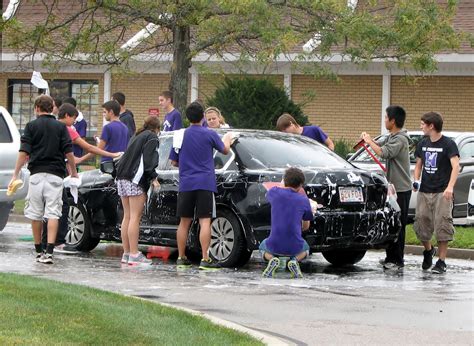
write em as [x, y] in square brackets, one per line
[254, 103]
[93, 32]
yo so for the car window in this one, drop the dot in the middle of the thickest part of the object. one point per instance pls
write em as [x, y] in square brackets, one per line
[467, 151]
[263, 151]
[220, 160]
[5, 135]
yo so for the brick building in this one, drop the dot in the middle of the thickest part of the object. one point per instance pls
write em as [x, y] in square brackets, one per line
[343, 109]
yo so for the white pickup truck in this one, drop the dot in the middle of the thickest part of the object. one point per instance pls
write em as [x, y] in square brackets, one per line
[9, 145]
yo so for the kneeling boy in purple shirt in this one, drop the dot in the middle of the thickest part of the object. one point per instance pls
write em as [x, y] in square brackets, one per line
[291, 211]
[197, 182]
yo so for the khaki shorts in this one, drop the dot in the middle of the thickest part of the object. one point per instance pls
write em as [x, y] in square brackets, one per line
[44, 199]
[433, 214]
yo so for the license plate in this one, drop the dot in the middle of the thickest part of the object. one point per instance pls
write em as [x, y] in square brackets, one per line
[351, 194]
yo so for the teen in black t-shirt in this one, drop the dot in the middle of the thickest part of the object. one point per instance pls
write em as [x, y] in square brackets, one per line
[437, 162]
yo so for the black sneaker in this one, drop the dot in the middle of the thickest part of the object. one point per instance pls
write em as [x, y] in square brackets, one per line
[47, 258]
[183, 262]
[428, 258]
[439, 267]
[209, 264]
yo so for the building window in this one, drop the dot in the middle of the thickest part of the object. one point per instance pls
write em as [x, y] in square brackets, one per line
[22, 95]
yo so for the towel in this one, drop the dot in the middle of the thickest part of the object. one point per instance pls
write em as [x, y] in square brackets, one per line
[73, 184]
[178, 140]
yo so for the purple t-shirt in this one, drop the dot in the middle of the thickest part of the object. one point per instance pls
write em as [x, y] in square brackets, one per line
[81, 128]
[196, 162]
[315, 133]
[288, 209]
[172, 121]
[115, 136]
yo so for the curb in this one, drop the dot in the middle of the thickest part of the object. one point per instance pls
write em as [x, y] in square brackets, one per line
[265, 338]
[466, 254]
[18, 218]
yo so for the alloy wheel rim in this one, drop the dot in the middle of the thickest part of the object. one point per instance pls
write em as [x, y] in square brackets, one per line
[76, 226]
[222, 238]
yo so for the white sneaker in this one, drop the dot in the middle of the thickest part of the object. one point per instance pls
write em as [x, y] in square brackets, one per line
[138, 260]
[125, 257]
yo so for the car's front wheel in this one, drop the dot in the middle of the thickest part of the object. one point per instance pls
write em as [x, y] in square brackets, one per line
[343, 256]
[79, 228]
[228, 245]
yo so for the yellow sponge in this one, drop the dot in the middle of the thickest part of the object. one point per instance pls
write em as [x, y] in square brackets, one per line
[14, 185]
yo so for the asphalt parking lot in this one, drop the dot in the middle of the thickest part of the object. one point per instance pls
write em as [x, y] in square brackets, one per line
[359, 304]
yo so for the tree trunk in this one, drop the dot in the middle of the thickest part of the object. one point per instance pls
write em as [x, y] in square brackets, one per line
[180, 67]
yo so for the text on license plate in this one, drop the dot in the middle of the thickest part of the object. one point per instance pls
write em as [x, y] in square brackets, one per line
[350, 194]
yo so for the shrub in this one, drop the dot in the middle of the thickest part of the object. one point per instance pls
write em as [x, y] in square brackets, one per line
[254, 103]
[342, 147]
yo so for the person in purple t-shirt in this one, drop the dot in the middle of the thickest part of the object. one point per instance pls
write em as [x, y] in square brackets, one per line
[286, 123]
[291, 212]
[114, 137]
[197, 182]
[172, 119]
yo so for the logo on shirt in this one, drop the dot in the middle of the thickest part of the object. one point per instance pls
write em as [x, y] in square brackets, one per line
[166, 124]
[430, 159]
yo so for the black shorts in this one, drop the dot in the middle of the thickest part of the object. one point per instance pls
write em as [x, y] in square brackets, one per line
[199, 203]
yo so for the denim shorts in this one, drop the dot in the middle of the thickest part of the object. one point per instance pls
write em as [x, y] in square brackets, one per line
[263, 248]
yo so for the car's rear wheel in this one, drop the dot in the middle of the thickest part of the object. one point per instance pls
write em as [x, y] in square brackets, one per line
[79, 228]
[228, 245]
[343, 256]
[5, 209]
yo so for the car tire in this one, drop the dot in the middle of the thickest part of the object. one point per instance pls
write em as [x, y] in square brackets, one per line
[228, 245]
[79, 233]
[5, 209]
[344, 256]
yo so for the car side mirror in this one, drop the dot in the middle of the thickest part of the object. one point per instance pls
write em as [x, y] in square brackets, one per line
[108, 167]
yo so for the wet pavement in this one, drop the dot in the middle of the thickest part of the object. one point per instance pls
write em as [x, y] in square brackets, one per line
[359, 304]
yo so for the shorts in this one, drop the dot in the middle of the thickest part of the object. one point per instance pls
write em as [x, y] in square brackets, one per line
[45, 197]
[433, 214]
[126, 188]
[198, 203]
[263, 248]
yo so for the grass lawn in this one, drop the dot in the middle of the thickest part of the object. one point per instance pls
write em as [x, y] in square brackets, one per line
[38, 311]
[19, 207]
[463, 237]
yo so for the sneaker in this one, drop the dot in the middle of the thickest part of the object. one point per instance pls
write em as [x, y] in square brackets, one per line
[392, 266]
[439, 267]
[125, 257]
[138, 259]
[65, 249]
[47, 258]
[428, 258]
[183, 262]
[39, 256]
[294, 268]
[208, 264]
[271, 268]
